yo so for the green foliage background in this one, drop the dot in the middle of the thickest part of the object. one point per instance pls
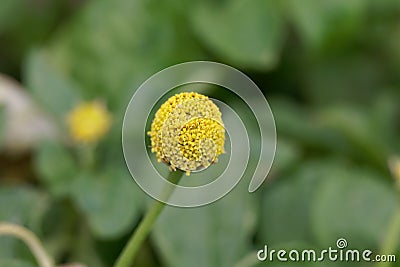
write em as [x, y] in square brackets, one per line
[330, 70]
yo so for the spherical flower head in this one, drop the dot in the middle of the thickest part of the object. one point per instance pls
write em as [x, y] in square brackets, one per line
[187, 132]
[88, 122]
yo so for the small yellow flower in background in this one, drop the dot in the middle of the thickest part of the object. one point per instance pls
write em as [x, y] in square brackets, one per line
[89, 122]
[187, 132]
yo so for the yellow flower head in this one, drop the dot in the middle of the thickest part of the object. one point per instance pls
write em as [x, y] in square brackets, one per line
[187, 132]
[89, 122]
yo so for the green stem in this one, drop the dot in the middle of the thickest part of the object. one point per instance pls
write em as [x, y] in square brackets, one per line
[87, 156]
[391, 241]
[128, 253]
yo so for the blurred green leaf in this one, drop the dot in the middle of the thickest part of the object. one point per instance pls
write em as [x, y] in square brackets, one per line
[7, 9]
[245, 33]
[59, 228]
[56, 167]
[54, 91]
[24, 24]
[286, 204]
[324, 201]
[218, 234]
[113, 46]
[85, 250]
[351, 78]
[299, 124]
[355, 126]
[15, 263]
[336, 129]
[384, 7]
[37, 18]
[392, 51]
[384, 117]
[287, 155]
[353, 204]
[327, 24]
[23, 206]
[17, 203]
[110, 200]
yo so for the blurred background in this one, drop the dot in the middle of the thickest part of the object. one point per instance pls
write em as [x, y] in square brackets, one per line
[330, 70]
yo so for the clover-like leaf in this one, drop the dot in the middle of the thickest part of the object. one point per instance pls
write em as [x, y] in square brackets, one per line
[245, 33]
[110, 200]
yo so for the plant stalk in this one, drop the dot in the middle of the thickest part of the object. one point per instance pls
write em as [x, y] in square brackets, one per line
[391, 241]
[128, 254]
[29, 238]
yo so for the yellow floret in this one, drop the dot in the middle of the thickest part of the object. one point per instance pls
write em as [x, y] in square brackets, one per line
[88, 122]
[187, 132]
